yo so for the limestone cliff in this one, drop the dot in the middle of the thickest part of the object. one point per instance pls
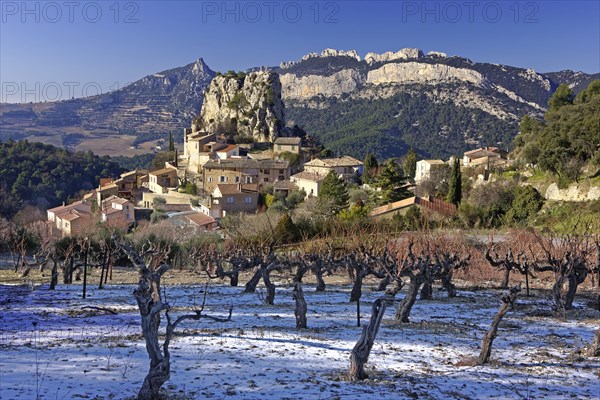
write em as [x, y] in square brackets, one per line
[336, 84]
[414, 72]
[246, 105]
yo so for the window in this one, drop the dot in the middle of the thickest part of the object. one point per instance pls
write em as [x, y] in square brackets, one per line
[248, 199]
[293, 147]
[210, 179]
[222, 179]
[281, 178]
[237, 179]
[266, 179]
[230, 200]
[280, 171]
[248, 179]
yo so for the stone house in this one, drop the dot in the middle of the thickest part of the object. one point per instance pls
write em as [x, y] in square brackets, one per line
[310, 182]
[243, 170]
[130, 184]
[287, 144]
[193, 220]
[200, 147]
[160, 181]
[78, 217]
[70, 219]
[232, 198]
[345, 167]
[117, 212]
[485, 156]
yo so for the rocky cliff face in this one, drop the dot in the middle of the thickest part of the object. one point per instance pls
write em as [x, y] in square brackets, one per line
[247, 105]
[414, 72]
[304, 87]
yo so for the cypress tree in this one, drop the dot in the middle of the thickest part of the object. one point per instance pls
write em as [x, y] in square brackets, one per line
[369, 165]
[171, 143]
[410, 164]
[455, 185]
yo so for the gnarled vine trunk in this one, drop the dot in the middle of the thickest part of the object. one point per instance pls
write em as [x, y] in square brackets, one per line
[508, 301]
[403, 311]
[300, 310]
[362, 349]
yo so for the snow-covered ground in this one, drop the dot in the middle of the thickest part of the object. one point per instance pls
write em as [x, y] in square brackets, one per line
[53, 348]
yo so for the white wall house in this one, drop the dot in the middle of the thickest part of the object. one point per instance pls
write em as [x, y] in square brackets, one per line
[424, 168]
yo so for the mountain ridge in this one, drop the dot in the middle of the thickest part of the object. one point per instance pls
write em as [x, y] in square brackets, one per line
[169, 100]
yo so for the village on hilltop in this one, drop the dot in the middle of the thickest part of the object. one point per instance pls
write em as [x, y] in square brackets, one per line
[214, 178]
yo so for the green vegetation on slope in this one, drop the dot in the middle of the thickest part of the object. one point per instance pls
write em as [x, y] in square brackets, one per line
[568, 139]
[44, 175]
[388, 127]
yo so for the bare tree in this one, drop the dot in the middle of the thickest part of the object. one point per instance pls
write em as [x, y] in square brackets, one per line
[151, 304]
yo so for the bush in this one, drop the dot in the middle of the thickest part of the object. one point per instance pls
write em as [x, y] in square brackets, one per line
[277, 206]
[525, 205]
[294, 198]
[286, 231]
[157, 216]
[471, 215]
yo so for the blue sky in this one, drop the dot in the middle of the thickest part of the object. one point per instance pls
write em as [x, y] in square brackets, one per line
[101, 45]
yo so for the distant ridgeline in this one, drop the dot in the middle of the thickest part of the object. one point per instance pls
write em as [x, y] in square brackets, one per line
[382, 103]
[438, 105]
[45, 176]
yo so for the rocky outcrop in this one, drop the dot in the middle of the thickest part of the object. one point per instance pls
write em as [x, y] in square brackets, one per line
[324, 54]
[437, 54]
[403, 54]
[533, 76]
[248, 105]
[415, 72]
[333, 53]
[573, 193]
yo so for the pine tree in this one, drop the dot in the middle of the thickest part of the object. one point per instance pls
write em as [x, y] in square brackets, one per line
[333, 194]
[390, 180]
[561, 97]
[455, 185]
